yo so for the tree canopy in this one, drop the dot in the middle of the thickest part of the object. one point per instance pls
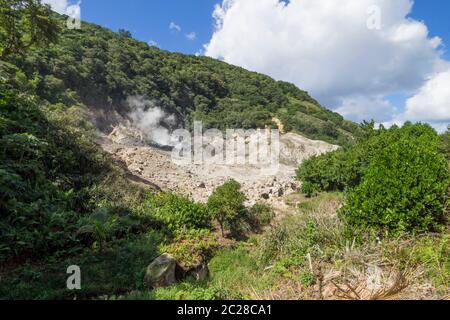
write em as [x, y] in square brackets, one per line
[23, 24]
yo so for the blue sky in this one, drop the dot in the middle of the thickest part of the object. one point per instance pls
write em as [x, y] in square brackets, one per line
[436, 15]
[396, 75]
[150, 20]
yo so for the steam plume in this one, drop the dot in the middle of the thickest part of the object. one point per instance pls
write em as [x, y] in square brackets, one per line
[150, 119]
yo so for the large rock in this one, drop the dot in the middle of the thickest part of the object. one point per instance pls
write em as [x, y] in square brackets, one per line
[161, 272]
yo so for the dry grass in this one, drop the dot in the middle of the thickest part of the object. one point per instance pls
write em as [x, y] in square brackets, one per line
[344, 269]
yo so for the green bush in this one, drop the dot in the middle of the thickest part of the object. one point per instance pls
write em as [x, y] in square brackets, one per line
[309, 189]
[177, 212]
[40, 178]
[397, 178]
[337, 170]
[190, 290]
[260, 215]
[307, 279]
[345, 167]
[404, 187]
[227, 206]
[192, 248]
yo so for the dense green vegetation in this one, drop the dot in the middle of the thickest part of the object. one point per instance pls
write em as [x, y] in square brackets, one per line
[260, 215]
[288, 262]
[24, 24]
[397, 179]
[55, 181]
[178, 212]
[313, 248]
[227, 206]
[404, 188]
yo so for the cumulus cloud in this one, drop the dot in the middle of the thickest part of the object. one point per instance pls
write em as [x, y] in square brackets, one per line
[327, 48]
[63, 6]
[174, 26]
[59, 6]
[432, 101]
[351, 108]
[191, 36]
[153, 43]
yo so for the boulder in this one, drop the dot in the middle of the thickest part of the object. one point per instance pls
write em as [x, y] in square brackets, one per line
[280, 192]
[265, 196]
[161, 272]
[202, 185]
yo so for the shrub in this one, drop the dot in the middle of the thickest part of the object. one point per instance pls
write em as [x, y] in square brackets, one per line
[227, 206]
[309, 189]
[404, 187]
[190, 290]
[44, 169]
[345, 167]
[192, 248]
[260, 215]
[177, 212]
[307, 279]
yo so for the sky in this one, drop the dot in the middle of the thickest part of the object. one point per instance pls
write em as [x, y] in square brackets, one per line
[386, 60]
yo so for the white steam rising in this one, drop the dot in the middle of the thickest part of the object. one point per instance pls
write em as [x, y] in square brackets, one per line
[150, 120]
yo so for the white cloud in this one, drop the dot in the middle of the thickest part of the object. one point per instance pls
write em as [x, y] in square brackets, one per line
[153, 43]
[191, 36]
[64, 7]
[432, 101]
[361, 108]
[326, 48]
[59, 6]
[200, 53]
[174, 26]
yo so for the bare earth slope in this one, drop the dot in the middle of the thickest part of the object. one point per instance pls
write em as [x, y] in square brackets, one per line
[154, 164]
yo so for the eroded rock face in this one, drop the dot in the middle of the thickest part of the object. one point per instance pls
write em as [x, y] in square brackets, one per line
[161, 272]
[199, 181]
[294, 149]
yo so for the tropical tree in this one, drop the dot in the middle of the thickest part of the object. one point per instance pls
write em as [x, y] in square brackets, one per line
[23, 24]
[227, 205]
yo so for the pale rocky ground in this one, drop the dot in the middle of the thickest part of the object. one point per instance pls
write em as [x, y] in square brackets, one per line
[154, 164]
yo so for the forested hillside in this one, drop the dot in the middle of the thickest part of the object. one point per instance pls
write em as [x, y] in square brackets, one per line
[100, 69]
